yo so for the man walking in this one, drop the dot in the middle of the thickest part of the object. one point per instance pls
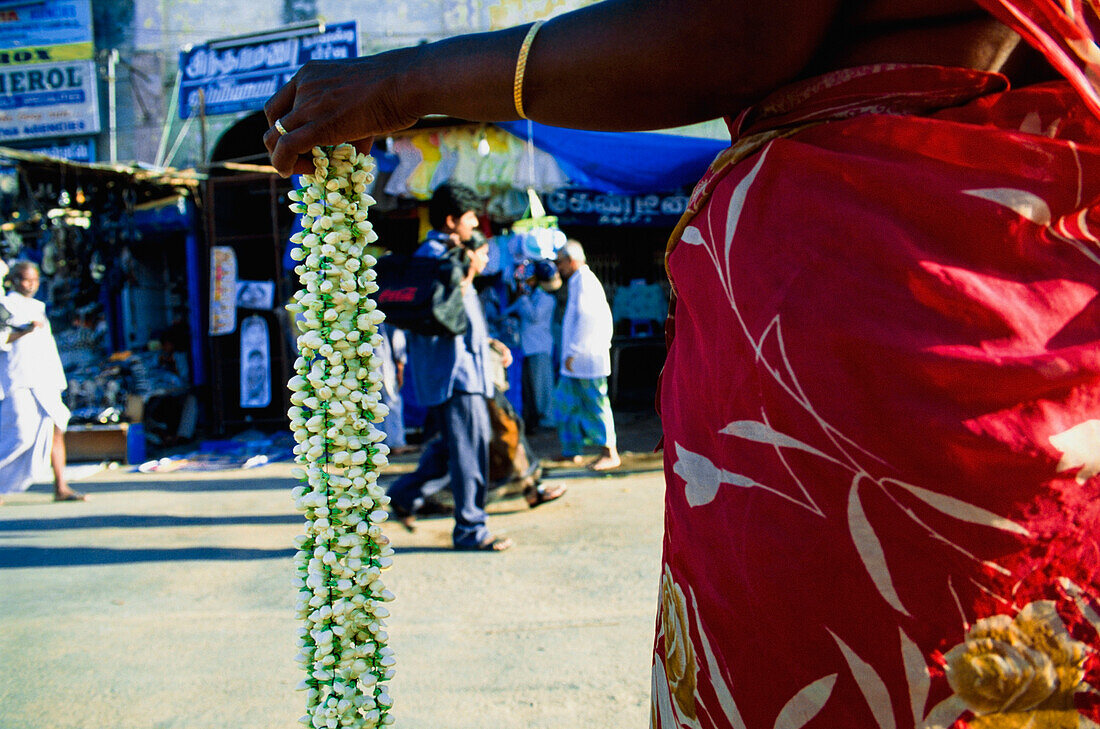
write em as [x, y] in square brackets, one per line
[453, 378]
[32, 416]
[582, 410]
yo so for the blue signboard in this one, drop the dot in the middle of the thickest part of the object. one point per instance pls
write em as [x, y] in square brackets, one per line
[74, 150]
[242, 77]
[589, 207]
[48, 30]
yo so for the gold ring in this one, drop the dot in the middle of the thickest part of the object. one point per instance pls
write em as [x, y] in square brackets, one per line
[279, 127]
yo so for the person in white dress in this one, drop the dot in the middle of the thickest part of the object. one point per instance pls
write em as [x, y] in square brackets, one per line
[33, 417]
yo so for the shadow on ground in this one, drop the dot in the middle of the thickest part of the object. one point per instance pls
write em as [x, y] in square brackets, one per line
[177, 484]
[84, 556]
[142, 521]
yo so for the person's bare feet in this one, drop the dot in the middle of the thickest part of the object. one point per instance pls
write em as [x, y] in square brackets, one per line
[491, 544]
[64, 493]
[607, 461]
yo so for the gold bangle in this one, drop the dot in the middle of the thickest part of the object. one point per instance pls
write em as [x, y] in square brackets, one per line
[521, 67]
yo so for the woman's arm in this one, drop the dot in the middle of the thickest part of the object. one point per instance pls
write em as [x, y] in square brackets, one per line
[616, 65]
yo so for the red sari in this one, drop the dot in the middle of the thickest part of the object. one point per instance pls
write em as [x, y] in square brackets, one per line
[886, 512]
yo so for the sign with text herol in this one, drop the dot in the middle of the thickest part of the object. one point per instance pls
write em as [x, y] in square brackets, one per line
[241, 77]
[45, 31]
[48, 100]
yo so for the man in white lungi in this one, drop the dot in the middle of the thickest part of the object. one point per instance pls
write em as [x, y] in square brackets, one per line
[581, 407]
[32, 416]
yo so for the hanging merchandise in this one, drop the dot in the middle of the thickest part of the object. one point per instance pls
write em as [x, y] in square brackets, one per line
[543, 173]
[13, 242]
[255, 363]
[419, 183]
[464, 142]
[408, 158]
[539, 235]
[256, 295]
[49, 253]
[447, 163]
[497, 168]
[223, 290]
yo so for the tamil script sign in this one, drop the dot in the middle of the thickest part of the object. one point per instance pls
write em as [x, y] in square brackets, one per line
[48, 100]
[242, 77]
[75, 150]
[586, 207]
[46, 31]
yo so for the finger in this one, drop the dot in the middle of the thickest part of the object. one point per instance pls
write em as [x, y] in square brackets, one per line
[282, 101]
[305, 165]
[290, 147]
[364, 145]
[272, 135]
[271, 138]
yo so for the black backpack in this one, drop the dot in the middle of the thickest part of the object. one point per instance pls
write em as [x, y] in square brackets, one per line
[423, 295]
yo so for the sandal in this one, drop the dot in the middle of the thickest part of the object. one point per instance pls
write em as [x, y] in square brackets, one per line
[70, 496]
[491, 544]
[540, 494]
[404, 517]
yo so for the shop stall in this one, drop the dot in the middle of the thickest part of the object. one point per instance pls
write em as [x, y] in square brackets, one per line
[619, 194]
[118, 251]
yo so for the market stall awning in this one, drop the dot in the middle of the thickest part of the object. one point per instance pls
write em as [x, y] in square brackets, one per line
[623, 162]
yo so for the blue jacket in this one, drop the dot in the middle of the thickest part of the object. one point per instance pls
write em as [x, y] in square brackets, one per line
[443, 365]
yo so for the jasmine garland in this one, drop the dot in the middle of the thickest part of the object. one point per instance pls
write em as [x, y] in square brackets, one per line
[335, 404]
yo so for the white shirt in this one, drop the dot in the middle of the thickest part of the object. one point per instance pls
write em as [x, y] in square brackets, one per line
[31, 361]
[587, 327]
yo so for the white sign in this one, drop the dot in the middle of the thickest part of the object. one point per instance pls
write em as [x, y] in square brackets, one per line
[255, 363]
[256, 294]
[223, 290]
[48, 100]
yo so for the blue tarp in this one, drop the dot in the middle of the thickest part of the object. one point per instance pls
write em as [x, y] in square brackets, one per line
[623, 162]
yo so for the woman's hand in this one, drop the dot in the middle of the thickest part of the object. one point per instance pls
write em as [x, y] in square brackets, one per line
[330, 102]
[616, 65]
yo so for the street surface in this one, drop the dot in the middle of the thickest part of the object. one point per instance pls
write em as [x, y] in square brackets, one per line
[166, 602]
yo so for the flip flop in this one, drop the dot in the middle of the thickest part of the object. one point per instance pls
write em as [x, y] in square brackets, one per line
[404, 517]
[491, 544]
[71, 496]
[540, 494]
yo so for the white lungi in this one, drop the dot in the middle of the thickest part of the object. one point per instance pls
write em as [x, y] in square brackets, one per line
[31, 382]
[27, 420]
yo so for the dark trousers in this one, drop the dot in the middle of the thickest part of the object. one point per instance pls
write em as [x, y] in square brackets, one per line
[462, 455]
[538, 388]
